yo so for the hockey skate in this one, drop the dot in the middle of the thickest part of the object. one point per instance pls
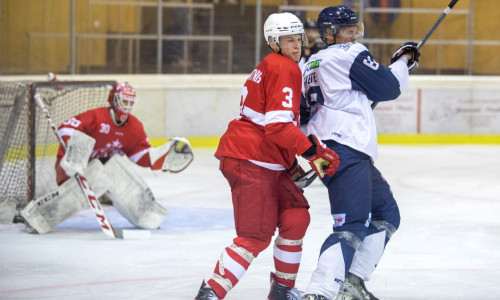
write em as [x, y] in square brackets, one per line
[28, 228]
[354, 289]
[282, 292]
[313, 297]
[206, 293]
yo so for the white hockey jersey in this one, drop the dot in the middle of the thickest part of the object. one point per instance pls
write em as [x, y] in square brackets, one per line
[338, 83]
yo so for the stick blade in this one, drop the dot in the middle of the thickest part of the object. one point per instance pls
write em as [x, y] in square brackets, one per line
[133, 234]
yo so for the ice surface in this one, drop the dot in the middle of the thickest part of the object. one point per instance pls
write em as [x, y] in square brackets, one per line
[446, 248]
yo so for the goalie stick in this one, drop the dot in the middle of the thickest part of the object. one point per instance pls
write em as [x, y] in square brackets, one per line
[430, 32]
[82, 181]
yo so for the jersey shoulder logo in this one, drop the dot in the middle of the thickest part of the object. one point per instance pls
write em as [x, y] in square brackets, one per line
[255, 76]
[346, 46]
[312, 65]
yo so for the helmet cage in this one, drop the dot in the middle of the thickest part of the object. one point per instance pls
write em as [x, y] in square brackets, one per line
[124, 98]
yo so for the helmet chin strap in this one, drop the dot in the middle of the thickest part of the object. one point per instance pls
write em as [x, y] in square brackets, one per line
[119, 118]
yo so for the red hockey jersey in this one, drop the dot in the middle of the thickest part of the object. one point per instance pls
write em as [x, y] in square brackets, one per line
[129, 139]
[267, 129]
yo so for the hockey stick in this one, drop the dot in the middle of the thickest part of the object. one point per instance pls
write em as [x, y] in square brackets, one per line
[430, 32]
[82, 181]
[306, 180]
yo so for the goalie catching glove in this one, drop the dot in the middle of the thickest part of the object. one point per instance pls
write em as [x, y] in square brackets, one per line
[409, 49]
[174, 156]
[322, 159]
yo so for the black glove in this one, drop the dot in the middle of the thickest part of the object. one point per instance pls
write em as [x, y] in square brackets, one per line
[295, 172]
[410, 49]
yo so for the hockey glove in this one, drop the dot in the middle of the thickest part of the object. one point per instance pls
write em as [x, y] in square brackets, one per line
[296, 171]
[322, 159]
[409, 49]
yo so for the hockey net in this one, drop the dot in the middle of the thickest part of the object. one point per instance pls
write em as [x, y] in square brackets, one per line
[28, 146]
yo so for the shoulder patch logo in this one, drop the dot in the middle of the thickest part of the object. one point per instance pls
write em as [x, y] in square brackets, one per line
[311, 65]
[315, 64]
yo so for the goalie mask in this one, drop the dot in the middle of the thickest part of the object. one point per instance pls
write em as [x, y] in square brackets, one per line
[280, 24]
[122, 100]
[334, 18]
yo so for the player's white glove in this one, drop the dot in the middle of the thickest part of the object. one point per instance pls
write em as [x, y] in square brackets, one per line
[409, 49]
[322, 159]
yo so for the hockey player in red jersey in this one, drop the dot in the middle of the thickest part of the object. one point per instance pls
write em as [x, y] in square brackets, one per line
[257, 157]
[103, 143]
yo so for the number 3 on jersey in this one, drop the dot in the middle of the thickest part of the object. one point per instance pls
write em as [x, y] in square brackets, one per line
[287, 103]
[288, 97]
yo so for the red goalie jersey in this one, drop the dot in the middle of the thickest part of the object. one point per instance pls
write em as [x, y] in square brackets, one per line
[267, 130]
[128, 139]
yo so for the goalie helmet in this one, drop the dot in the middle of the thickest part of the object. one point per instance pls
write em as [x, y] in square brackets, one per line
[122, 98]
[335, 17]
[279, 24]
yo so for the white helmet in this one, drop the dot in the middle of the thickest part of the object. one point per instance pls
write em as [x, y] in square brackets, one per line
[282, 24]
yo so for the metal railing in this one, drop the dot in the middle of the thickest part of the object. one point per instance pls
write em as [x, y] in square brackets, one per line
[159, 37]
[138, 37]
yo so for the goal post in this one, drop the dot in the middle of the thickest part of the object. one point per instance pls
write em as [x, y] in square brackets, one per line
[28, 147]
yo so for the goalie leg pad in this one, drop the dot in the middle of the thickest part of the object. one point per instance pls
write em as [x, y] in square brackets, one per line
[46, 212]
[100, 181]
[77, 154]
[131, 196]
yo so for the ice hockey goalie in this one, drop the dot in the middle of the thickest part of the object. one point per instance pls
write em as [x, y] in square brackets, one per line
[103, 144]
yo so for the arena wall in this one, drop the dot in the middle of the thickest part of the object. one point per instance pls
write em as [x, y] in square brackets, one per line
[435, 109]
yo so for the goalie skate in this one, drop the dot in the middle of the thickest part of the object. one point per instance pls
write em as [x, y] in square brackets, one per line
[354, 289]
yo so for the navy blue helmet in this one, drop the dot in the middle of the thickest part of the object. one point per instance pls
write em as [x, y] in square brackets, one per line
[335, 17]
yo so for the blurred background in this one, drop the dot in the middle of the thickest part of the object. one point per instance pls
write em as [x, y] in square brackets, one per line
[225, 36]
